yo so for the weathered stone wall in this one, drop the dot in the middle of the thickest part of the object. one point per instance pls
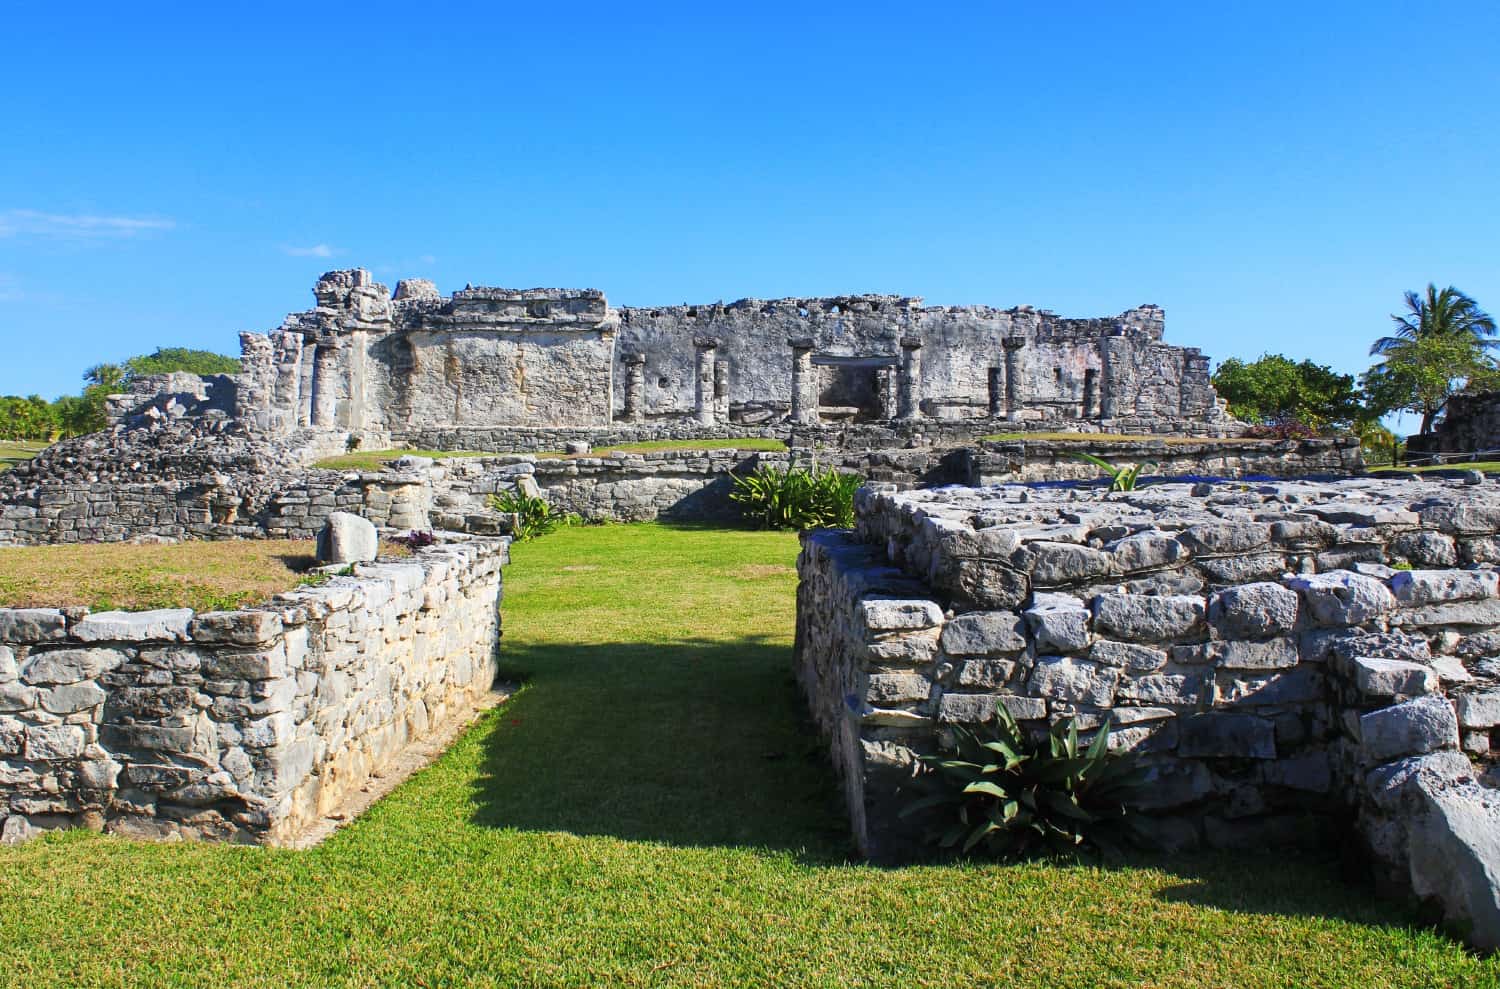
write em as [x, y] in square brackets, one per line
[1054, 460]
[245, 726]
[223, 492]
[1471, 425]
[489, 360]
[1252, 643]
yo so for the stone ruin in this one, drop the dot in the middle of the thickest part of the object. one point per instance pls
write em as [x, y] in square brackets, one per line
[1296, 663]
[420, 369]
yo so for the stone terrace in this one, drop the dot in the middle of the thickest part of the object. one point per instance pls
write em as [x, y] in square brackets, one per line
[1283, 656]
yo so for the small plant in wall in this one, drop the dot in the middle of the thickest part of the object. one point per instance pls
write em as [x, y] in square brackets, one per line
[1122, 478]
[1009, 797]
[534, 515]
[797, 498]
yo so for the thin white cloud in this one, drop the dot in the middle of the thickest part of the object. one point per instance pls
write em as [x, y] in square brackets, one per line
[315, 251]
[77, 226]
[427, 259]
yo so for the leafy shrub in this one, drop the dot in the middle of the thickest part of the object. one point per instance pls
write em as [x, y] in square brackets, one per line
[1123, 478]
[796, 498]
[534, 515]
[1010, 797]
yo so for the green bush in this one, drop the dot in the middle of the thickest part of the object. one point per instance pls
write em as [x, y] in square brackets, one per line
[796, 498]
[534, 516]
[1012, 797]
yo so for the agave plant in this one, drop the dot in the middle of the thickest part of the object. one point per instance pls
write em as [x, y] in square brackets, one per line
[1010, 797]
[1122, 478]
[797, 498]
[534, 515]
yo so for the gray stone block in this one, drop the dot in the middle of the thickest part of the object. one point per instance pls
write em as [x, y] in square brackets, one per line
[1059, 623]
[32, 625]
[1478, 710]
[1222, 735]
[1164, 688]
[881, 615]
[46, 743]
[168, 625]
[1275, 654]
[1076, 681]
[1392, 677]
[348, 538]
[1344, 598]
[1129, 656]
[1413, 727]
[983, 633]
[70, 665]
[1254, 611]
[1148, 618]
[1056, 564]
[1419, 587]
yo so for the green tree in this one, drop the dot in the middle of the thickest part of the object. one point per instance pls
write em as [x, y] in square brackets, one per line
[1421, 374]
[1276, 389]
[168, 359]
[1446, 313]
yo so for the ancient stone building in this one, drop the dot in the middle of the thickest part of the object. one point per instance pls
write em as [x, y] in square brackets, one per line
[402, 366]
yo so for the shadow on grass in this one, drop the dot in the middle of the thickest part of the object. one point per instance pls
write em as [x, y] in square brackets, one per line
[686, 743]
[702, 744]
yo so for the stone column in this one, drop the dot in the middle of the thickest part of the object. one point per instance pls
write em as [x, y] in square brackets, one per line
[910, 397]
[997, 392]
[305, 385]
[325, 397]
[288, 379]
[1114, 377]
[635, 387]
[804, 382]
[1014, 392]
[885, 384]
[704, 395]
[721, 390]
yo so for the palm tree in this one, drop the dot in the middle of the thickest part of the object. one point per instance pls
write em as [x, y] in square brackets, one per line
[1445, 313]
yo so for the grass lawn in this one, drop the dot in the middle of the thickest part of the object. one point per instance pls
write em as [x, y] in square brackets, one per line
[205, 576]
[1117, 438]
[375, 459]
[653, 446]
[649, 811]
[13, 452]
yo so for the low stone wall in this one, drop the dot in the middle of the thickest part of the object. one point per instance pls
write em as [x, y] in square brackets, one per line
[1252, 643]
[251, 725]
[1007, 461]
[236, 498]
[537, 439]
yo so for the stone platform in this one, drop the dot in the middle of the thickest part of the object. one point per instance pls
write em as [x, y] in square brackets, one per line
[1295, 662]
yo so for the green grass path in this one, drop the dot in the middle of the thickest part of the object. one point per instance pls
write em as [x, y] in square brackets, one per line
[650, 811]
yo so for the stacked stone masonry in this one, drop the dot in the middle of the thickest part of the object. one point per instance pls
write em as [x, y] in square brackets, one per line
[134, 483]
[1262, 647]
[249, 726]
[414, 364]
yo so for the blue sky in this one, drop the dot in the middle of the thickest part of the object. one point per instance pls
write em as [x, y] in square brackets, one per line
[1274, 174]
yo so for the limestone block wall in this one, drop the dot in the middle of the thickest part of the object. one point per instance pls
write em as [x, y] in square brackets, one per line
[245, 726]
[1052, 460]
[1261, 647]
